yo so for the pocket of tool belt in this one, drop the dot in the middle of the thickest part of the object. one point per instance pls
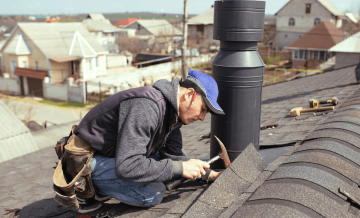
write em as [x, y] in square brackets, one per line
[73, 167]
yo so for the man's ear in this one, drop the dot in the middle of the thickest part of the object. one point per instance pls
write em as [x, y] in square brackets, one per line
[189, 93]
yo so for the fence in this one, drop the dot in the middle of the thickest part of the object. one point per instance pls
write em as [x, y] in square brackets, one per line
[139, 77]
[266, 52]
[10, 86]
[97, 89]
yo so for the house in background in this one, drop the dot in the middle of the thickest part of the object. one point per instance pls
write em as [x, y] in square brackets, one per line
[3, 28]
[315, 44]
[353, 17]
[43, 58]
[154, 27]
[126, 22]
[201, 27]
[347, 52]
[298, 16]
[158, 35]
[103, 30]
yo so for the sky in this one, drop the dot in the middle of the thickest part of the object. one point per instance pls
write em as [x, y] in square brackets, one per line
[11, 7]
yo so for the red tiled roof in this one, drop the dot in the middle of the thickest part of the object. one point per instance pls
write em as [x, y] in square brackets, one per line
[126, 21]
[323, 36]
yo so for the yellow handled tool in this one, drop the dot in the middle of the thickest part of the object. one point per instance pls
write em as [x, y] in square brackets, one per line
[314, 103]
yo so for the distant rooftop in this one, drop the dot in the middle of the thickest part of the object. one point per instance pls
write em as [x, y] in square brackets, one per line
[322, 36]
[55, 40]
[330, 7]
[205, 18]
[349, 45]
[126, 21]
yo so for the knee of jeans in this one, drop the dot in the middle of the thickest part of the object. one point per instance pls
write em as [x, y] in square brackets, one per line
[159, 190]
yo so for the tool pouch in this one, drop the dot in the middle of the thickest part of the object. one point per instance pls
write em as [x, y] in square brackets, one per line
[72, 176]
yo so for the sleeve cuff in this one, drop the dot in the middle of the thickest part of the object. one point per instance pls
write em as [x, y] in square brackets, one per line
[177, 169]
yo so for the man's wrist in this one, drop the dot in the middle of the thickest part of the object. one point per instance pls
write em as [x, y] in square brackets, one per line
[178, 170]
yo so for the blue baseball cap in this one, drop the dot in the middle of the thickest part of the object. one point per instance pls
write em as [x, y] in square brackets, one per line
[207, 87]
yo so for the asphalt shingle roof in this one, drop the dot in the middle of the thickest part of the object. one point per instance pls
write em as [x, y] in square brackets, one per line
[303, 181]
[15, 138]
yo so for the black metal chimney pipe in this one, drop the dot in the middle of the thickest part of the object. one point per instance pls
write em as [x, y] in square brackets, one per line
[238, 70]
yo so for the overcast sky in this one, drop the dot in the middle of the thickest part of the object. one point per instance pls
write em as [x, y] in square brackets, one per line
[121, 6]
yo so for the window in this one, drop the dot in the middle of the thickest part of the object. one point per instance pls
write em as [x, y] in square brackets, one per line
[23, 65]
[139, 27]
[322, 55]
[316, 55]
[285, 35]
[36, 65]
[301, 54]
[13, 65]
[306, 54]
[308, 8]
[317, 21]
[291, 22]
[200, 28]
[296, 54]
[88, 64]
[97, 61]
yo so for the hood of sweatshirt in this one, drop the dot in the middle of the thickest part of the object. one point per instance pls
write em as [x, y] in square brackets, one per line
[169, 91]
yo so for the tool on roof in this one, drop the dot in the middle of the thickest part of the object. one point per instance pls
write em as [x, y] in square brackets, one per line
[299, 110]
[12, 212]
[222, 155]
[314, 103]
[270, 125]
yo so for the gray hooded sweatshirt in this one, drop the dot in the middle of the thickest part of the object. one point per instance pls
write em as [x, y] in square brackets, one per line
[128, 129]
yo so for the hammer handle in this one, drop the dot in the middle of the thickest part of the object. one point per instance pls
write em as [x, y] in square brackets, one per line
[173, 184]
[317, 109]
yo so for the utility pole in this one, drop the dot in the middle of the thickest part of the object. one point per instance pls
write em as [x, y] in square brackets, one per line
[183, 49]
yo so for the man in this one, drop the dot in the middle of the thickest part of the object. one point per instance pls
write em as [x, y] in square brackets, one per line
[137, 138]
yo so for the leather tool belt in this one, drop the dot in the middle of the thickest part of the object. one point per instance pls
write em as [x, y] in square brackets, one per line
[72, 176]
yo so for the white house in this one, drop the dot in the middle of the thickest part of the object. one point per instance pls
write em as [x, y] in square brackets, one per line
[201, 27]
[39, 55]
[103, 30]
[298, 16]
[347, 52]
[159, 34]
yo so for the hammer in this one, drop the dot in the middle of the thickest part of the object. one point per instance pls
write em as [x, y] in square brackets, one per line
[222, 155]
[299, 110]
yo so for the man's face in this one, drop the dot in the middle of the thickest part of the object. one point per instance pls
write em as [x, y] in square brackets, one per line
[192, 111]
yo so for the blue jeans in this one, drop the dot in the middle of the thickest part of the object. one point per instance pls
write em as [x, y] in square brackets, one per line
[132, 193]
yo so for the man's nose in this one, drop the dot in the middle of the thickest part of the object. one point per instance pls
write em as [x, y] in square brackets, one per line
[202, 116]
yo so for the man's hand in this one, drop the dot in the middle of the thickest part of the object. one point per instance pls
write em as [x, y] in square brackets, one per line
[214, 175]
[193, 168]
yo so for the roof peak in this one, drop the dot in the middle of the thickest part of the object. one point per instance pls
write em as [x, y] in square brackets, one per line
[327, 5]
